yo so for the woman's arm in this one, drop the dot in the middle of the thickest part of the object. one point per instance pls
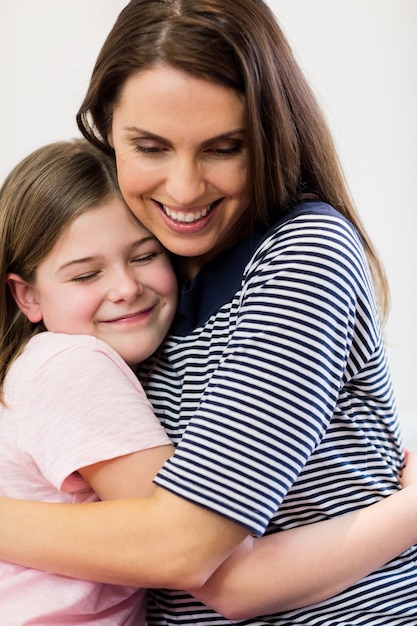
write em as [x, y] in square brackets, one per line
[351, 546]
[167, 541]
[238, 589]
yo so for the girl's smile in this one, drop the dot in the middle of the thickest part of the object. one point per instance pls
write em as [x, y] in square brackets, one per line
[107, 277]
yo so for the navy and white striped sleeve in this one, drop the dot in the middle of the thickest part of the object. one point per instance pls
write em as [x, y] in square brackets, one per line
[269, 402]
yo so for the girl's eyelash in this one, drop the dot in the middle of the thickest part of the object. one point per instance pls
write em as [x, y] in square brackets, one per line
[140, 259]
[84, 278]
[147, 257]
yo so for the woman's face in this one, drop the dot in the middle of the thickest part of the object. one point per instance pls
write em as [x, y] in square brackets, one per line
[181, 153]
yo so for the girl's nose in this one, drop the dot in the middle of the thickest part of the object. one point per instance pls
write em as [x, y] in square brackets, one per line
[185, 183]
[126, 287]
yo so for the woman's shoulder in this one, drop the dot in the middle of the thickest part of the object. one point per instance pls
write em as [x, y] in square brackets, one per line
[311, 233]
[312, 211]
[312, 221]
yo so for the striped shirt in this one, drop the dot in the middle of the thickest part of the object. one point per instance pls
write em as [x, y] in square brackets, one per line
[274, 385]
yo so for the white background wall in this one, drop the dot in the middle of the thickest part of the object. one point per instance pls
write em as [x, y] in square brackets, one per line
[361, 58]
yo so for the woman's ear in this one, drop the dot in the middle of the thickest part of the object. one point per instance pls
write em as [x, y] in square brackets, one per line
[25, 297]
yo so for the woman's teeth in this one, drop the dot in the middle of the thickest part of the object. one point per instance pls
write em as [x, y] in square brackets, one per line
[188, 217]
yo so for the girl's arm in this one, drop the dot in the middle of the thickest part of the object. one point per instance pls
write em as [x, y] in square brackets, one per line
[128, 476]
[167, 541]
[351, 546]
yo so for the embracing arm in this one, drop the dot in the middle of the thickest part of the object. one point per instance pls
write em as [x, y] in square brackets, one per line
[351, 546]
[167, 541]
[162, 541]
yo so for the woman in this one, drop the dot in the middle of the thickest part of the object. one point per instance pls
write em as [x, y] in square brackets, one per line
[273, 378]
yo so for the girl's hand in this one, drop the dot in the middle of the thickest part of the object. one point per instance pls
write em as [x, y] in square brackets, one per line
[408, 476]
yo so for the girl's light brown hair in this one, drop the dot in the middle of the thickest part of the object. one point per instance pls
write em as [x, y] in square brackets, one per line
[238, 44]
[42, 195]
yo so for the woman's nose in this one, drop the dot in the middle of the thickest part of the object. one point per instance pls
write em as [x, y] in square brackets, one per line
[185, 183]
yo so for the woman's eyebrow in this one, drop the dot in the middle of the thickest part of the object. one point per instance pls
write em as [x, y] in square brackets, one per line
[146, 133]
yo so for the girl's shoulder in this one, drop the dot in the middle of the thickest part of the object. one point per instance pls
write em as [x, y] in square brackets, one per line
[46, 345]
[50, 354]
[48, 349]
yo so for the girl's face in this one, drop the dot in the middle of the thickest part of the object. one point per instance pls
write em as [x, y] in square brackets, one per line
[181, 153]
[107, 277]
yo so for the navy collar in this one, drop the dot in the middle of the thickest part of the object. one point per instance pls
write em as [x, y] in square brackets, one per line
[221, 277]
[213, 285]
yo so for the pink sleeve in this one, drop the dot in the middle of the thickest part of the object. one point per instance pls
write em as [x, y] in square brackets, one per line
[85, 405]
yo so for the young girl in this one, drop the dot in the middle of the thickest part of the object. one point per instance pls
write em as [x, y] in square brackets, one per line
[75, 423]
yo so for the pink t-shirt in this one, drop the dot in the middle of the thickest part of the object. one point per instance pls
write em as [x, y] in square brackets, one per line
[71, 402]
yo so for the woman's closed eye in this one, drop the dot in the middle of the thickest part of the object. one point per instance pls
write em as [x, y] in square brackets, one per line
[150, 148]
[225, 149]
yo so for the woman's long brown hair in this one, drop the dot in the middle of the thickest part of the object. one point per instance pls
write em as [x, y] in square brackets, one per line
[239, 44]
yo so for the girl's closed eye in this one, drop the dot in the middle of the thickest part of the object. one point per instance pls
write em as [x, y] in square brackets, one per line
[86, 277]
[145, 258]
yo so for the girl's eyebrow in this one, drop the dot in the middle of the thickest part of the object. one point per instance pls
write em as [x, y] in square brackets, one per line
[87, 259]
[149, 135]
[90, 259]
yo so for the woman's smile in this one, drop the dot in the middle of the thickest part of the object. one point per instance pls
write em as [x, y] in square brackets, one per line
[188, 188]
[179, 214]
